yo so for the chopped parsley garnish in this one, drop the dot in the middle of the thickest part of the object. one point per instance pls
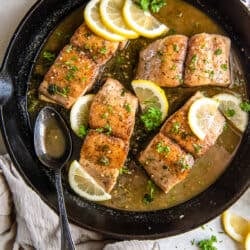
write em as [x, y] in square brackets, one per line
[175, 128]
[123, 92]
[173, 67]
[149, 197]
[50, 57]
[192, 242]
[127, 107]
[124, 170]
[230, 112]
[197, 148]
[176, 47]
[106, 129]
[192, 62]
[245, 106]
[82, 131]
[223, 66]
[153, 5]
[218, 52]
[208, 243]
[72, 69]
[161, 148]
[171, 32]
[103, 50]
[104, 160]
[184, 165]
[105, 115]
[210, 73]
[53, 89]
[151, 118]
[69, 48]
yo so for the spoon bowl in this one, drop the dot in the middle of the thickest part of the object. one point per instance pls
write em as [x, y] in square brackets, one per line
[53, 146]
[52, 139]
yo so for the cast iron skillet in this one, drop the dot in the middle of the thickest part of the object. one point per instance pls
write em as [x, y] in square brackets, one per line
[14, 80]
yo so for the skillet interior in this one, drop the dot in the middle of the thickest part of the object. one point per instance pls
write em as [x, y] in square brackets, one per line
[18, 63]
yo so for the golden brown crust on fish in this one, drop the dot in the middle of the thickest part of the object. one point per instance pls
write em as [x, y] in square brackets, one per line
[104, 150]
[97, 48]
[113, 109]
[207, 60]
[71, 75]
[177, 128]
[165, 162]
[163, 61]
[102, 156]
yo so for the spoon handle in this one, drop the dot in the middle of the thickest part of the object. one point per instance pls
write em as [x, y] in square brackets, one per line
[66, 239]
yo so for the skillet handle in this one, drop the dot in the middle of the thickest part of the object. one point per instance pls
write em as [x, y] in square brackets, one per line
[6, 87]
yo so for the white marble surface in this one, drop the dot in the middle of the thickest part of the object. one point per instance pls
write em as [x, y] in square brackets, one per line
[11, 12]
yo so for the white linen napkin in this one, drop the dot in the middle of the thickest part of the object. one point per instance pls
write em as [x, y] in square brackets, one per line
[28, 223]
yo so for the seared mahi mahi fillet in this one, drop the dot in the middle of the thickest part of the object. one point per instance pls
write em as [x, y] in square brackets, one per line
[163, 60]
[177, 128]
[207, 60]
[97, 48]
[165, 162]
[71, 75]
[102, 156]
[113, 109]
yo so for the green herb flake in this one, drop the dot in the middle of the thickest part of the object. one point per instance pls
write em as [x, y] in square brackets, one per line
[103, 50]
[176, 48]
[123, 92]
[82, 132]
[69, 48]
[171, 32]
[105, 115]
[173, 67]
[124, 170]
[49, 56]
[151, 118]
[127, 107]
[183, 164]
[230, 112]
[197, 148]
[207, 244]
[149, 197]
[210, 73]
[53, 89]
[153, 5]
[223, 66]
[245, 106]
[175, 128]
[193, 62]
[218, 52]
[104, 161]
[192, 242]
[108, 129]
[72, 69]
[161, 148]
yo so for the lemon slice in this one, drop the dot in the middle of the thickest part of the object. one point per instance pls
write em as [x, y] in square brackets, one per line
[235, 226]
[84, 184]
[230, 107]
[150, 94]
[201, 116]
[111, 13]
[142, 21]
[93, 20]
[79, 113]
[247, 241]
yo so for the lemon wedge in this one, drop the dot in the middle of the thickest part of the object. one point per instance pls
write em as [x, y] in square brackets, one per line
[142, 21]
[150, 94]
[84, 184]
[247, 241]
[79, 114]
[111, 14]
[236, 226]
[201, 116]
[94, 22]
[230, 107]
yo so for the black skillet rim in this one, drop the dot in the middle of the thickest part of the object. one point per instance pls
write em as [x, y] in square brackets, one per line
[149, 224]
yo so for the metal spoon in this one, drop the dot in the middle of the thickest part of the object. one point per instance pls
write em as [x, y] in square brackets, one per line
[53, 146]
